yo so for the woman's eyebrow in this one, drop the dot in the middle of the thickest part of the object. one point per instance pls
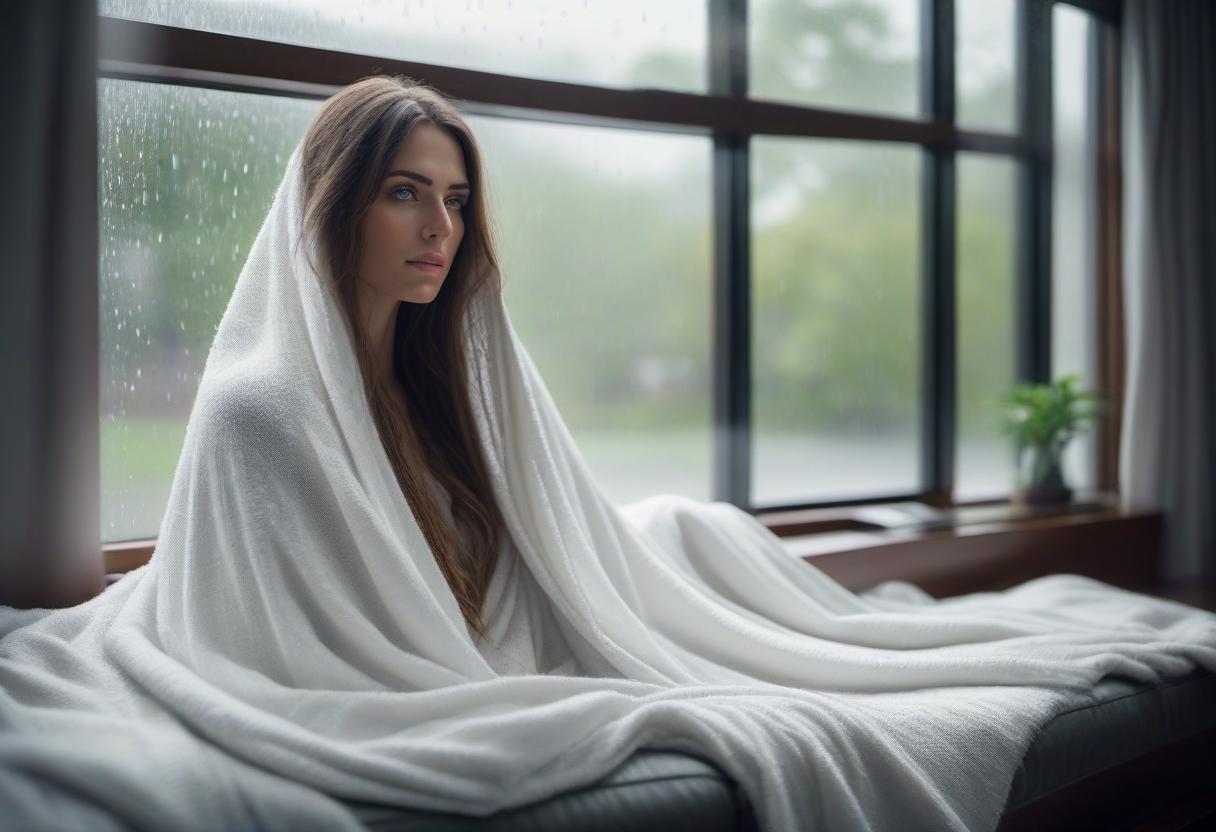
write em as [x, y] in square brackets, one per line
[425, 180]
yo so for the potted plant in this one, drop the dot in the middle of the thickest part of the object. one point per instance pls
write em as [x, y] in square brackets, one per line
[1043, 419]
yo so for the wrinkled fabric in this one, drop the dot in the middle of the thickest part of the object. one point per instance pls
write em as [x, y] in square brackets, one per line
[292, 643]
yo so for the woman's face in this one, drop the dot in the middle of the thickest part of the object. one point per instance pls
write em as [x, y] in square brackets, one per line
[414, 226]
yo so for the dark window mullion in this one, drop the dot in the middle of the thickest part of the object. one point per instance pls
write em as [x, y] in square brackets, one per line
[732, 262]
[1105, 148]
[1033, 273]
[938, 345]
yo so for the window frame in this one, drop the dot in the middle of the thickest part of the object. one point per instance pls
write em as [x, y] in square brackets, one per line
[135, 50]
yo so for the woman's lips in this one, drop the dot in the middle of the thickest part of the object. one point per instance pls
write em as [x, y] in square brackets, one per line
[422, 265]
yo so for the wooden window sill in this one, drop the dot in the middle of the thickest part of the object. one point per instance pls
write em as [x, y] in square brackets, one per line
[913, 515]
[1111, 544]
[122, 557]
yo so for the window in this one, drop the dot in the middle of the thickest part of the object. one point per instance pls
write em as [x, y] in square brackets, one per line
[985, 54]
[625, 43]
[836, 256]
[187, 175]
[986, 346]
[861, 55]
[835, 329]
[605, 232]
[1074, 303]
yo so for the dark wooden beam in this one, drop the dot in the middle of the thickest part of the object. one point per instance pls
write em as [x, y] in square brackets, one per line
[135, 50]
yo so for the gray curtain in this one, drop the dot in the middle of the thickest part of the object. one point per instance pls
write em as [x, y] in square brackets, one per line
[50, 549]
[1169, 104]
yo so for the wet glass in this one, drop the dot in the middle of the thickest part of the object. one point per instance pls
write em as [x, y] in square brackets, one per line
[185, 178]
[623, 43]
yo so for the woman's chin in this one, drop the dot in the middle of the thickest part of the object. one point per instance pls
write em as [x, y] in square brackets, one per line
[422, 294]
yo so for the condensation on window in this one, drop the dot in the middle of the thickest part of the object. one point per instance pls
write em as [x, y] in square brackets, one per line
[185, 178]
[617, 43]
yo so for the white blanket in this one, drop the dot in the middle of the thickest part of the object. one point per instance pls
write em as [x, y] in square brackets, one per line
[293, 644]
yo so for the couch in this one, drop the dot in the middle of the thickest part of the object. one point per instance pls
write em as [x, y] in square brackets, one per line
[1135, 755]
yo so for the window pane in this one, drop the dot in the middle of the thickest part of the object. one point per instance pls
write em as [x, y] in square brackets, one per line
[987, 353]
[836, 324]
[625, 43]
[186, 176]
[986, 32]
[605, 244]
[851, 54]
[1074, 300]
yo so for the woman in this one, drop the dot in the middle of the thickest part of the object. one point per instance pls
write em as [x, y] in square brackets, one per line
[394, 196]
[313, 628]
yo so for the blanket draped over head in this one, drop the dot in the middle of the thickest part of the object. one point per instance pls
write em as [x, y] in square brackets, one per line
[293, 645]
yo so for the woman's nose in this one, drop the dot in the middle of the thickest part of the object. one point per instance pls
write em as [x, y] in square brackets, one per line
[439, 224]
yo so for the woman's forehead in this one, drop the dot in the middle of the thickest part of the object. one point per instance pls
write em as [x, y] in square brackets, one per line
[431, 151]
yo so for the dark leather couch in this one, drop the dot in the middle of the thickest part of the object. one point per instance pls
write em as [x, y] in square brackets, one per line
[1137, 751]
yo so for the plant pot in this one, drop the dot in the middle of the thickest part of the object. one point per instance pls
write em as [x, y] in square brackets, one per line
[1043, 495]
[1041, 476]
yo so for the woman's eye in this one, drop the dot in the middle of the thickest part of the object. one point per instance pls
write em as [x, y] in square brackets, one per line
[402, 191]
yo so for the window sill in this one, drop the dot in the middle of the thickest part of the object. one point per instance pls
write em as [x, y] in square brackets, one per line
[126, 555]
[993, 549]
[910, 515]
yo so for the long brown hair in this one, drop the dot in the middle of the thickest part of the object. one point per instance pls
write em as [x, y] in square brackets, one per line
[346, 153]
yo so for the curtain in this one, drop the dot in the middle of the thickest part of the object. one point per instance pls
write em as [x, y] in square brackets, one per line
[50, 549]
[1168, 454]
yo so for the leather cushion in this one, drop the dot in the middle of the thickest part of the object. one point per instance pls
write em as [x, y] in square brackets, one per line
[661, 791]
[1123, 721]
